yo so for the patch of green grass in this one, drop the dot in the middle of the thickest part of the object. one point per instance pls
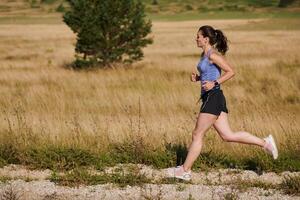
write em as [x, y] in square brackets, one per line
[286, 14]
[269, 24]
[2, 162]
[59, 158]
[81, 176]
[31, 20]
[260, 162]
[4, 8]
[9, 154]
[48, 1]
[135, 151]
[277, 16]
[192, 15]
[185, 16]
[4, 179]
[181, 5]
[291, 185]
[51, 157]
[216, 5]
[66, 158]
[243, 185]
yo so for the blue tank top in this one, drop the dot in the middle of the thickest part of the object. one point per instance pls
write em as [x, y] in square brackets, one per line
[208, 71]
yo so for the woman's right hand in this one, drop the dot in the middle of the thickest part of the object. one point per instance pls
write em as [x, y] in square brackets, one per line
[194, 77]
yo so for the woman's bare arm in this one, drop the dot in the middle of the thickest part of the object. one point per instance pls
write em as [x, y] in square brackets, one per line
[224, 65]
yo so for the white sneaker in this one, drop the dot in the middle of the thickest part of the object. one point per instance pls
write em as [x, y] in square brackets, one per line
[178, 172]
[270, 146]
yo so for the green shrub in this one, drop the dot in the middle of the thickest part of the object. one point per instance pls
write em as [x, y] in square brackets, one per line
[108, 32]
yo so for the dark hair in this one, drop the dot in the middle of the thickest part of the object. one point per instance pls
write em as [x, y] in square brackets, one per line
[216, 37]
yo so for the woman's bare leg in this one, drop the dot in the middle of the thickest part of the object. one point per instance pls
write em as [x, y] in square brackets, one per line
[222, 127]
[204, 122]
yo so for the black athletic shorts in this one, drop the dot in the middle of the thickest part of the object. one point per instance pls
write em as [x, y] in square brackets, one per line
[213, 102]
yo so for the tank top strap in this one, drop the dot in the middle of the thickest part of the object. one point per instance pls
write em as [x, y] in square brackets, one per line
[209, 53]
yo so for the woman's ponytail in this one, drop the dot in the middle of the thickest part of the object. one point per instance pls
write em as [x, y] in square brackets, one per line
[221, 41]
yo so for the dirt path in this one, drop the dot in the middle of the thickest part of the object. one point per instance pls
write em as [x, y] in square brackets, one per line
[219, 184]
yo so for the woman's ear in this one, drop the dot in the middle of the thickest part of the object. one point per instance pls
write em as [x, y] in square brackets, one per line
[206, 39]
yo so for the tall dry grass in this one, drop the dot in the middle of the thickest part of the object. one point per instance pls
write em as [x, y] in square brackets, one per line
[42, 102]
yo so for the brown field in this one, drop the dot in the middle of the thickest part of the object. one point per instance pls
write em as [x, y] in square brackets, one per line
[44, 102]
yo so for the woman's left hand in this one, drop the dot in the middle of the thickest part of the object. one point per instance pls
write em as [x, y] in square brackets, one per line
[208, 85]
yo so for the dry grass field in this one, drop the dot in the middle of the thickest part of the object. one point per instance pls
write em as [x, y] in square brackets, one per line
[43, 102]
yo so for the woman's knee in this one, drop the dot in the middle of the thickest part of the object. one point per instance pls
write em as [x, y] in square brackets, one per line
[197, 135]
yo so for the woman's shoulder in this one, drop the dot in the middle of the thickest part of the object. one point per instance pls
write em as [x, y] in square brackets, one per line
[214, 51]
[216, 57]
[214, 54]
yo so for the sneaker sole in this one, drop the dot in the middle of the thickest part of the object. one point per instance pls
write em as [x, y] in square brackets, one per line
[183, 178]
[171, 174]
[275, 151]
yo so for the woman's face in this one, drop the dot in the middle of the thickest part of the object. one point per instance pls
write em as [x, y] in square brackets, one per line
[201, 41]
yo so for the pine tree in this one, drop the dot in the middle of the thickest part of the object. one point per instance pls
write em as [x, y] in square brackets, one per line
[108, 31]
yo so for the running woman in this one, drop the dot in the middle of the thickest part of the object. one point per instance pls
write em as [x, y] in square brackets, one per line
[213, 111]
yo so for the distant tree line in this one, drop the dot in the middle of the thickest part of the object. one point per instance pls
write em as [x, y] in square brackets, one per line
[285, 3]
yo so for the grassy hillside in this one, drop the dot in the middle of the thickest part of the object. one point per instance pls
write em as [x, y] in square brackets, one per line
[152, 6]
[188, 5]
